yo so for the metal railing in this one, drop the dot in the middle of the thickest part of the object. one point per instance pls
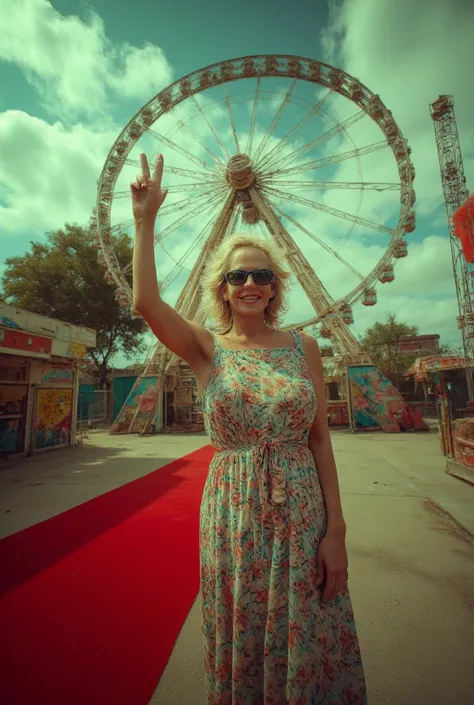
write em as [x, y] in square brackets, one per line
[95, 408]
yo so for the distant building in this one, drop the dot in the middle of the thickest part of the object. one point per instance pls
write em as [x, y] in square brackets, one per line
[39, 380]
[419, 345]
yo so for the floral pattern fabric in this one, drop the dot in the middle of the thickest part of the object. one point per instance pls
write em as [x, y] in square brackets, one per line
[269, 639]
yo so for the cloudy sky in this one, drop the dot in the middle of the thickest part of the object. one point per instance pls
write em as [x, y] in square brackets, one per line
[74, 73]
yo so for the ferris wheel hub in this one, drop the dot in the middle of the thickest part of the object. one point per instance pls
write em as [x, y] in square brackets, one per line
[240, 173]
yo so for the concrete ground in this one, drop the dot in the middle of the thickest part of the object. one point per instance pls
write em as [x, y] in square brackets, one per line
[410, 544]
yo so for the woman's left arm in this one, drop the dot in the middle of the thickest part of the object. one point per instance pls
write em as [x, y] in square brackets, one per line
[320, 443]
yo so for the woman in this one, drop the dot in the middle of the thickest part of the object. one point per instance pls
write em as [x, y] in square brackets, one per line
[277, 621]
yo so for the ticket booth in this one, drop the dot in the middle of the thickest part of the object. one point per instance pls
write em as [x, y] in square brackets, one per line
[40, 359]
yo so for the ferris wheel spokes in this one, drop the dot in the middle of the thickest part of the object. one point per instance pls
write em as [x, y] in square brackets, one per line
[311, 284]
[184, 153]
[179, 265]
[326, 185]
[331, 211]
[185, 203]
[211, 202]
[167, 209]
[231, 118]
[275, 121]
[177, 188]
[179, 171]
[123, 225]
[197, 186]
[320, 140]
[266, 159]
[216, 137]
[327, 161]
[316, 239]
[248, 149]
[186, 128]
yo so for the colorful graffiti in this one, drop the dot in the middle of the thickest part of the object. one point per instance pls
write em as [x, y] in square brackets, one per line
[57, 376]
[139, 407]
[63, 348]
[376, 404]
[53, 417]
[337, 413]
[76, 350]
[5, 321]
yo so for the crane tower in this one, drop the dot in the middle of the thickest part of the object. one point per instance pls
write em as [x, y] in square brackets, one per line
[455, 195]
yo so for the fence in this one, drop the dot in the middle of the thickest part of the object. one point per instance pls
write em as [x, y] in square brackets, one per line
[426, 408]
[95, 408]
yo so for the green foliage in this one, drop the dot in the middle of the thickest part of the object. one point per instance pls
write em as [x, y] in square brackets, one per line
[382, 340]
[62, 279]
[448, 350]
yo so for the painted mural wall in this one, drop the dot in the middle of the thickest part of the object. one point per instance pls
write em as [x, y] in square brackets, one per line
[47, 375]
[377, 404]
[53, 417]
[140, 405]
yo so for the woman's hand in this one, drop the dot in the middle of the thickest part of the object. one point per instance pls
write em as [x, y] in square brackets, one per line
[147, 196]
[332, 565]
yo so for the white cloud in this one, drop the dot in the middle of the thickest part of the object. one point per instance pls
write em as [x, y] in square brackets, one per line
[143, 71]
[48, 172]
[409, 53]
[72, 63]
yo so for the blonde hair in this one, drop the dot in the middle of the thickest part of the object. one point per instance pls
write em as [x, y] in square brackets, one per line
[219, 310]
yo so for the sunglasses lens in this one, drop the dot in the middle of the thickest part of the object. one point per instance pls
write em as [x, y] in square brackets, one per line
[262, 277]
[236, 278]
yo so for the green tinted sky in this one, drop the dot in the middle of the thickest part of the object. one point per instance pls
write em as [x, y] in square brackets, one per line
[53, 142]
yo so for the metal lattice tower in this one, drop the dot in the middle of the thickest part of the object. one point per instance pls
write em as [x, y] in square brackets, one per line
[455, 194]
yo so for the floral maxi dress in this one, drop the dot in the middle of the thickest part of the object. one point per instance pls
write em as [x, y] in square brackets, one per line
[269, 639]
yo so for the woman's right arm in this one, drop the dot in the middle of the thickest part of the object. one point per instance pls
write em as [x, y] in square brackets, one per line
[191, 342]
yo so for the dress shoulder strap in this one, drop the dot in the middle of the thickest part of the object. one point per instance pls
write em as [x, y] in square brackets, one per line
[296, 335]
[217, 345]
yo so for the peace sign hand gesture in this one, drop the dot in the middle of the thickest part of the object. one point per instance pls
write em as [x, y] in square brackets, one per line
[147, 196]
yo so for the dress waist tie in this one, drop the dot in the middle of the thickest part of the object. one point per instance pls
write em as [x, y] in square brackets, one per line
[266, 456]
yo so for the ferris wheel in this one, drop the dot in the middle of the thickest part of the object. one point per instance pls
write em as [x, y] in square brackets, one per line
[287, 146]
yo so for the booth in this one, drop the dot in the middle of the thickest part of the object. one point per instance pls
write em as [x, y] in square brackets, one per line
[39, 380]
[443, 379]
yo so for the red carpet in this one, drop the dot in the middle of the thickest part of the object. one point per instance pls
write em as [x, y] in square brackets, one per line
[94, 599]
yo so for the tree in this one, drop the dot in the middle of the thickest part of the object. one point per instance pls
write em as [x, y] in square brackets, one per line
[382, 341]
[448, 350]
[62, 278]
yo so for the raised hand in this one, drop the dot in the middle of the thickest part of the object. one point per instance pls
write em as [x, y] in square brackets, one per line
[147, 196]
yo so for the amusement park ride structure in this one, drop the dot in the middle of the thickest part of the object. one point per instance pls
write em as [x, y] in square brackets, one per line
[250, 182]
[456, 197]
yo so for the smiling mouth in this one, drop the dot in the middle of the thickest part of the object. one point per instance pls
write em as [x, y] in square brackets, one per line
[249, 299]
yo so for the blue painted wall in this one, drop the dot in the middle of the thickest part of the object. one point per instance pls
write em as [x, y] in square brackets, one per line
[121, 388]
